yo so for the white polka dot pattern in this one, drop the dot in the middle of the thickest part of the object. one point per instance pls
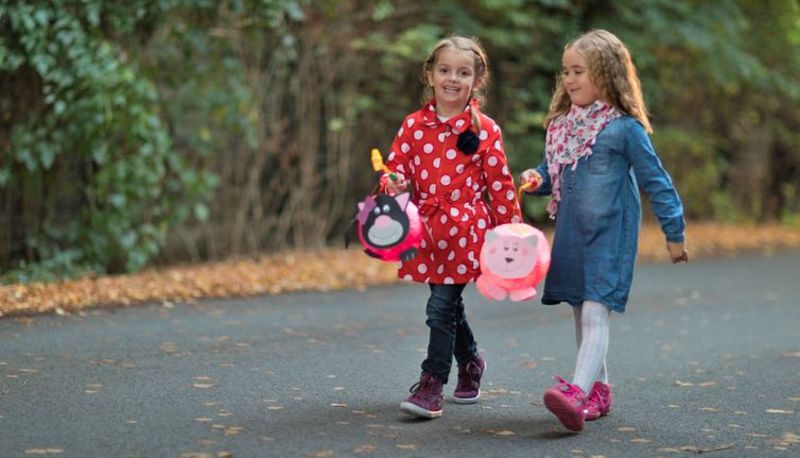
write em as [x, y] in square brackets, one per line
[449, 188]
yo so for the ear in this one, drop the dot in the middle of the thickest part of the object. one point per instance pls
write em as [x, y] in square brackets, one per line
[402, 200]
[491, 235]
[532, 240]
[429, 77]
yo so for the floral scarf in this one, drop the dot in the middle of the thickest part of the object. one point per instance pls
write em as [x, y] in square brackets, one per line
[569, 138]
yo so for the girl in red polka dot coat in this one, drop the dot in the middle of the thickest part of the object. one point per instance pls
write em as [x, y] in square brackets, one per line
[450, 157]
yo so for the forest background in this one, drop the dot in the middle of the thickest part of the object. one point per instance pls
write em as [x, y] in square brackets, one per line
[154, 132]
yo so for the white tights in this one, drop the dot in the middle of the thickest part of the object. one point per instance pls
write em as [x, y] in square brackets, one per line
[591, 333]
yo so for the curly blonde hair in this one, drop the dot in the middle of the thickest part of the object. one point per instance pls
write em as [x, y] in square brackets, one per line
[612, 72]
[460, 43]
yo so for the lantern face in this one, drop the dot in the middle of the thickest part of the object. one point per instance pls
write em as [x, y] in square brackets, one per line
[510, 256]
[389, 227]
[385, 223]
[514, 259]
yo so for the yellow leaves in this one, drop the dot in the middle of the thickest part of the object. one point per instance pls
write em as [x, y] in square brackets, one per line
[317, 270]
[705, 384]
[320, 454]
[708, 409]
[366, 448]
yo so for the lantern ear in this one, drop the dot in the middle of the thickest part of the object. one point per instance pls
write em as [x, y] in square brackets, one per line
[532, 240]
[403, 199]
[491, 235]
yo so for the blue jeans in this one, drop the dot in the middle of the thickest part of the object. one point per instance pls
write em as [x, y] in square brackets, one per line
[450, 333]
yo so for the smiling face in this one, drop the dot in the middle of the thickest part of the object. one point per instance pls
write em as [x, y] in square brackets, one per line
[575, 78]
[452, 79]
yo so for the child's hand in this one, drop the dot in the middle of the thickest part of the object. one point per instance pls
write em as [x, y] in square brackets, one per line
[395, 187]
[677, 251]
[533, 177]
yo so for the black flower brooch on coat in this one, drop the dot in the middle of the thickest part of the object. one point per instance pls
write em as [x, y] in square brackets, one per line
[468, 142]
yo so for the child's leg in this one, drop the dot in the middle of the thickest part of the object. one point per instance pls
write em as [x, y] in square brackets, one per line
[441, 311]
[602, 375]
[466, 348]
[594, 344]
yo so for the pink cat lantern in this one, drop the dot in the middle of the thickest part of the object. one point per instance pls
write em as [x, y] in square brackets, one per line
[389, 227]
[514, 259]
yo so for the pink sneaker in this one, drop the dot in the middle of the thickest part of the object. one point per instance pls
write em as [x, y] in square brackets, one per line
[468, 388]
[566, 401]
[426, 399]
[598, 403]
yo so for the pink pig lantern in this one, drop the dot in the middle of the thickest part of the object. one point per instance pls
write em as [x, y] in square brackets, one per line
[514, 259]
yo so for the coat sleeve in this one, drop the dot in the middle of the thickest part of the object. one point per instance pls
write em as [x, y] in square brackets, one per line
[656, 182]
[398, 158]
[500, 184]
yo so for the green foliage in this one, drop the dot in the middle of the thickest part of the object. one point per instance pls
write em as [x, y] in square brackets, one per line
[93, 142]
[118, 118]
[697, 172]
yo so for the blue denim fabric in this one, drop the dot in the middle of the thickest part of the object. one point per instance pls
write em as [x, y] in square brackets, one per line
[450, 334]
[599, 216]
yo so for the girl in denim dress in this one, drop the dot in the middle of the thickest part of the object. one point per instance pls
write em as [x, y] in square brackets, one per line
[451, 157]
[597, 155]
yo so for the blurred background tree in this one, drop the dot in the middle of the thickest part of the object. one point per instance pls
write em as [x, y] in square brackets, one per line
[155, 131]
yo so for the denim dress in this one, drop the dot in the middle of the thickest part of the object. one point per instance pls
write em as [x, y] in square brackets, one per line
[599, 216]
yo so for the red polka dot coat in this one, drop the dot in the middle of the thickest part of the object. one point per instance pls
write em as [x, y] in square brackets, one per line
[449, 187]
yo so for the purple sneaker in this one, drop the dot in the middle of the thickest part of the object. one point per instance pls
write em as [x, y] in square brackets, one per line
[468, 389]
[598, 403]
[566, 401]
[426, 399]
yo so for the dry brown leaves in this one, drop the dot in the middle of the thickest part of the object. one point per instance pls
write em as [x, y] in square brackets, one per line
[320, 270]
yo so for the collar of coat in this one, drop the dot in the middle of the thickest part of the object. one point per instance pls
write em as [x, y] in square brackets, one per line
[458, 123]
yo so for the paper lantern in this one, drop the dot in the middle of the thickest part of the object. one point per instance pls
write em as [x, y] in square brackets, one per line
[389, 227]
[514, 259]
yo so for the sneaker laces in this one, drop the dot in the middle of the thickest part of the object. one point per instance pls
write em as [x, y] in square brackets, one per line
[598, 396]
[472, 368]
[423, 383]
[571, 391]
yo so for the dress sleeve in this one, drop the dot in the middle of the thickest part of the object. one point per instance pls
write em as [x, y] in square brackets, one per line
[546, 187]
[656, 182]
[397, 160]
[500, 184]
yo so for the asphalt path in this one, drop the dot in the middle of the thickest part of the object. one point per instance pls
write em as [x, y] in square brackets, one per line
[705, 360]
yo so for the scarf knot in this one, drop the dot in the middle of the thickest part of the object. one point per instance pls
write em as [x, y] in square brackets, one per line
[569, 138]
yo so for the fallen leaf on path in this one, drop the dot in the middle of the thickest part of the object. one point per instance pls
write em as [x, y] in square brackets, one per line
[366, 448]
[698, 450]
[709, 409]
[320, 454]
